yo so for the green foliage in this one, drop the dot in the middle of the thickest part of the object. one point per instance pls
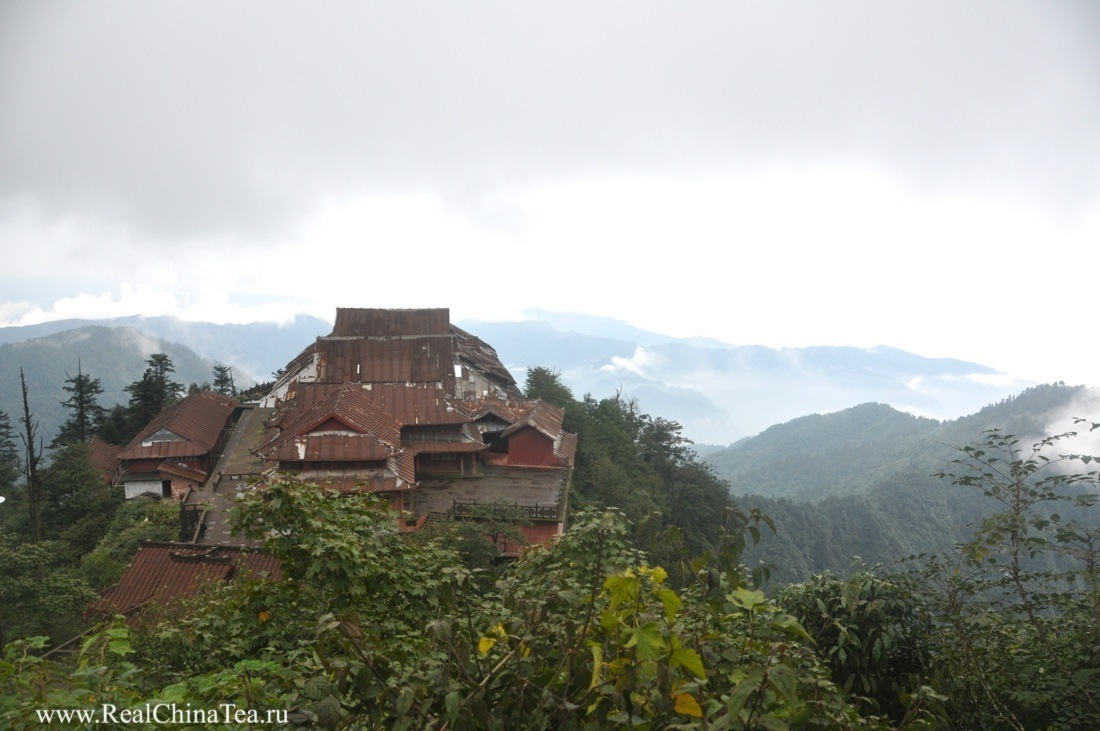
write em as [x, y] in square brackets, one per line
[9, 458]
[371, 630]
[37, 595]
[545, 383]
[77, 503]
[152, 393]
[873, 635]
[1021, 631]
[85, 413]
[140, 519]
[223, 380]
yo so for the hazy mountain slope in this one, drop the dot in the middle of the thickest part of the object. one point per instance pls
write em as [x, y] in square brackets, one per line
[861, 482]
[116, 356]
[721, 392]
[717, 392]
[256, 349]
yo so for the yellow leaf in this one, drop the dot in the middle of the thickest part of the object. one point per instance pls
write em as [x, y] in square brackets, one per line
[486, 644]
[688, 706]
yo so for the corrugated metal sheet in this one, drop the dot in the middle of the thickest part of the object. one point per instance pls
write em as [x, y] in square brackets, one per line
[162, 573]
[483, 357]
[419, 403]
[405, 360]
[104, 458]
[367, 322]
[198, 419]
[334, 447]
[542, 416]
[350, 405]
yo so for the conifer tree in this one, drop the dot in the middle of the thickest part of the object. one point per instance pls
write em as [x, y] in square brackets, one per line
[223, 380]
[85, 413]
[153, 392]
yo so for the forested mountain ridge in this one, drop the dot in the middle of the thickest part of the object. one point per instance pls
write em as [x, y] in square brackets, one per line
[862, 482]
[115, 356]
[856, 450]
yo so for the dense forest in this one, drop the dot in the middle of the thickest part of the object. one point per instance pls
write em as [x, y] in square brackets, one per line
[652, 611]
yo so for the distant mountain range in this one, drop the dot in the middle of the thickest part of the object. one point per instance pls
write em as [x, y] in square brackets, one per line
[720, 392]
[861, 482]
[717, 391]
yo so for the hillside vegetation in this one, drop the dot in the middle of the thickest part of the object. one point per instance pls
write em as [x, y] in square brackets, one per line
[860, 485]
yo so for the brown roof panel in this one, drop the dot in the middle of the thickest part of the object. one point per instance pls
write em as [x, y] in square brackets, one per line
[166, 572]
[104, 458]
[334, 447]
[349, 404]
[542, 416]
[368, 322]
[419, 404]
[404, 360]
[475, 350]
[198, 419]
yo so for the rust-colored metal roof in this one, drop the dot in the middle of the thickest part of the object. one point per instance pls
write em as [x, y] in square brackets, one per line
[104, 458]
[404, 464]
[333, 447]
[402, 360]
[374, 481]
[198, 419]
[349, 404]
[484, 358]
[181, 470]
[547, 420]
[421, 403]
[367, 322]
[542, 416]
[162, 573]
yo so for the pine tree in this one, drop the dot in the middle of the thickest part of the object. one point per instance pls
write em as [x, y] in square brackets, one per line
[153, 392]
[9, 458]
[223, 380]
[85, 413]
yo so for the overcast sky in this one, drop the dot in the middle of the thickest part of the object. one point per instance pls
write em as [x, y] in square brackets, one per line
[924, 175]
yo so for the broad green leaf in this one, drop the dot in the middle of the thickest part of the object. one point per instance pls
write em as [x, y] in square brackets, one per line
[688, 659]
[647, 641]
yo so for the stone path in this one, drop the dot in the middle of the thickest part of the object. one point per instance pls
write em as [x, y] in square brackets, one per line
[237, 467]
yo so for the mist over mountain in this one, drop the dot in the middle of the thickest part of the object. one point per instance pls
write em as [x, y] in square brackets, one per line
[718, 392]
[114, 355]
[255, 349]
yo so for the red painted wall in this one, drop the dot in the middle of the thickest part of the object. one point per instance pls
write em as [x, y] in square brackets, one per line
[530, 447]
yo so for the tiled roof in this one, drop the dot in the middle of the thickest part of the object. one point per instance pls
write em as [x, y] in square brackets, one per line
[349, 405]
[364, 322]
[401, 360]
[333, 447]
[540, 415]
[104, 458]
[162, 573]
[198, 419]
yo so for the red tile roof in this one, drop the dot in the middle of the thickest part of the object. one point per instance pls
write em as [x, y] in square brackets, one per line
[104, 458]
[162, 573]
[198, 419]
[364, 322]
[347, 404]
[369, 360]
